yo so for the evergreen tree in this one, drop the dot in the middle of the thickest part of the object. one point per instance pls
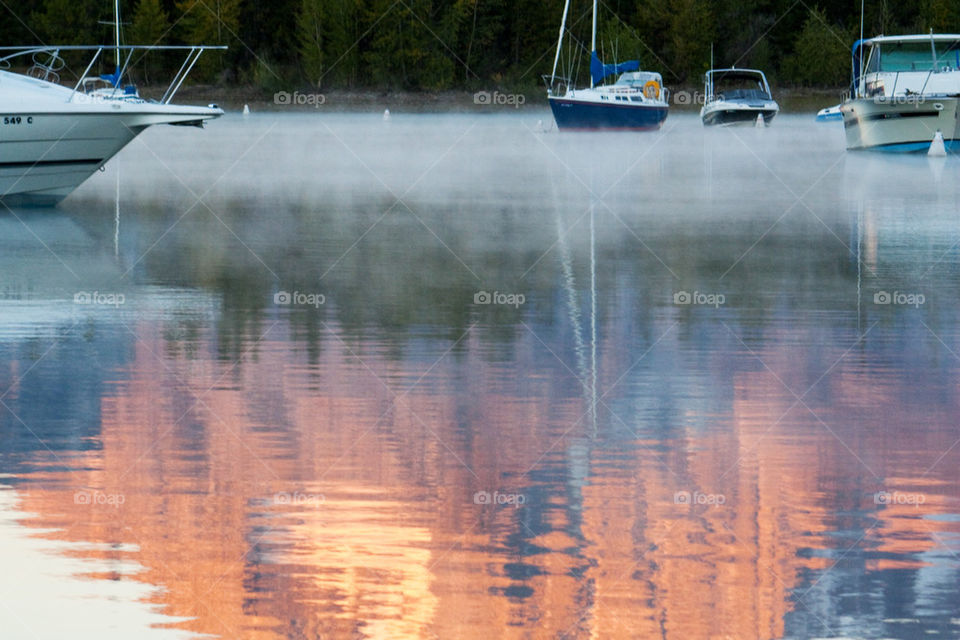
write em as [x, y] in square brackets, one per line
[312, 36]
[691, 32]
[70, 21]
[482, 38]
[680, 32]
[943, 16]
[150, 23]
[17, 24]
[211, 22]
[327, 35]
[150, 26]
[411, 44]
[822, 54]
[268, 35]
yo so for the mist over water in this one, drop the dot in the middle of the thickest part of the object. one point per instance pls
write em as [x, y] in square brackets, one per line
[456, 376]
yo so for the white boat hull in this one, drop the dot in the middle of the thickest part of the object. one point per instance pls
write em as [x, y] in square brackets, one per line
[901, 124]
[731, 113]
[49, 157]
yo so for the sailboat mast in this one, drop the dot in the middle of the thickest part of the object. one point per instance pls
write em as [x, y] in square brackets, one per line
[116, 19]
[563, 27]
[593, 39]
[856, 70]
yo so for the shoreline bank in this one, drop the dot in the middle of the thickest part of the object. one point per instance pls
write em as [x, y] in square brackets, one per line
[792, 100]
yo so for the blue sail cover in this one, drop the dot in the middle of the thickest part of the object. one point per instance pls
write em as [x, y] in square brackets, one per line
[112, 78]
[599, 71]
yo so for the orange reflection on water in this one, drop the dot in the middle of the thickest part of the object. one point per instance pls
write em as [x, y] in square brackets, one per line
[273, 499]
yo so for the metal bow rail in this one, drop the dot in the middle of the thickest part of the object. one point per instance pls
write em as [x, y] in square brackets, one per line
[48, 68]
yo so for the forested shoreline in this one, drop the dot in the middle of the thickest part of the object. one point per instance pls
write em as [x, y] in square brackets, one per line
[432, 45]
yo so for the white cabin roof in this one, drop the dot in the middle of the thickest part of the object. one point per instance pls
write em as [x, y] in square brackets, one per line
[736, 70]
[922, 37]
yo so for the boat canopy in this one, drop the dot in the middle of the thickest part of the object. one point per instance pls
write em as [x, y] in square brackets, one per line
[737, 84]
[934, 52]
[599, 71]
[752, 75]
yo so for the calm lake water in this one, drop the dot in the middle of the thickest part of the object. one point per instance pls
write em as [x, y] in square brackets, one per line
[322, 376]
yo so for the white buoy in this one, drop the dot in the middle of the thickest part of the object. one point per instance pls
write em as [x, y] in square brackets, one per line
[539, 126]
[760, 122]
[937, 148]
[246, 109]
[386, 115]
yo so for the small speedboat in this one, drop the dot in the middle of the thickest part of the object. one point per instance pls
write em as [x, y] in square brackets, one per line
[737, 96]
[830, 114]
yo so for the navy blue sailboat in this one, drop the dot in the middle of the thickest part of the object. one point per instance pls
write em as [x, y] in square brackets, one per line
[636, 101]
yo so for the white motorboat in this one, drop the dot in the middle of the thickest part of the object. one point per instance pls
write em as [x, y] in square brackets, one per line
[905, 90]
[737, 96]
[830, 114]
[54, 137]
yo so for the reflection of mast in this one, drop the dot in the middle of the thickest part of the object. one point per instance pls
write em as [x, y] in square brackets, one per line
[116, 219]
[859, 258]
[587, 373]
[866, 246]
[593, 322]
[870, 238]
[573, 308]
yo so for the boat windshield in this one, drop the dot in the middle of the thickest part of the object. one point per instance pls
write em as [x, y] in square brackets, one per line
[638, 78]
[914, 56]
[739, 86]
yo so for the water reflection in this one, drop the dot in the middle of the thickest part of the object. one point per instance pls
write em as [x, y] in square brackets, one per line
[400, 462]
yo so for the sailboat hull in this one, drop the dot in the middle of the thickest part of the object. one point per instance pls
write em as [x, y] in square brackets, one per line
[571, 113]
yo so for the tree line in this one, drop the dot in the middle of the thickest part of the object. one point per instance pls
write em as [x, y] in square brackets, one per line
[474, 44]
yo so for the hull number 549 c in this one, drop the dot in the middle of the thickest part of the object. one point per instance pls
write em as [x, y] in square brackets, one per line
[17, 120]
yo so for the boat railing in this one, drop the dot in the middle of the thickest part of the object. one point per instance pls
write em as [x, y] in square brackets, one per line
[923, 89]
[47, 64]
[555, 83]
[46, 68]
